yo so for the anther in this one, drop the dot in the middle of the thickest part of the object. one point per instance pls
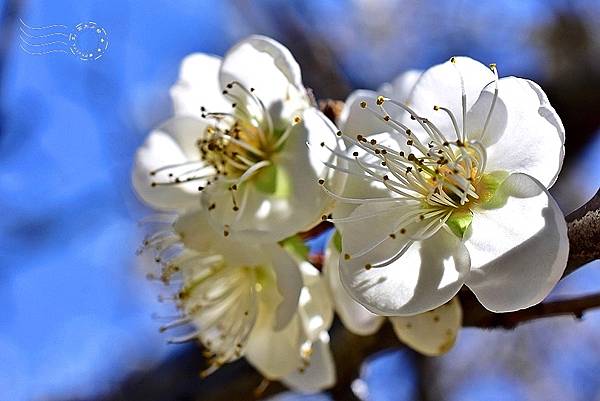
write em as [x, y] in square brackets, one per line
[393, 236]
[368, 266]
[347, 256]
[380, 100]
[322, 144]
[321, 181]
[324, 217]
[373, 142]
[383, 151]
[403, 231]
[385, 177]
[339, 133]
[386, 118]
[355, 154]
[200, 188]
[436, 108]
[453, 59]
[363, 104]
[297, 120]
[212, 206]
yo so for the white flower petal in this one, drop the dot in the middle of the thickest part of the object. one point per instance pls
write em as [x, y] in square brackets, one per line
[354, 316]
[197, 234]
[431, 333]
[270, 218]
[274, 353]
[375, 222]
[401, 88]
[198, 86]
[289, 283]
[315, 306]
[356, 186]
[426, 276]
[267, 66]
[319, 374]
[525, 134]
[440, 85]
[170, 144]
[518, 251]
[355, 120]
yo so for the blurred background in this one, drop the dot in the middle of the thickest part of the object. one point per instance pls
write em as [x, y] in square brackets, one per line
[77, 313]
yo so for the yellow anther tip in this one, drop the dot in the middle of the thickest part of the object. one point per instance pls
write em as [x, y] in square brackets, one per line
[380, 100]
[363, 104]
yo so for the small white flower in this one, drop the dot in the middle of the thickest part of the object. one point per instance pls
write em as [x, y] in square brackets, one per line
[247, 299]
[451, 190]
[430, 333]
[238, 144]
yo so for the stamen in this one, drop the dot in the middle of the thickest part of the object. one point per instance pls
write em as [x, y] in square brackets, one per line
[489, 115]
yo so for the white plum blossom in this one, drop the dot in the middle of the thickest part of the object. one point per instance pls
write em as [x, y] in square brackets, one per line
[246, 299]
[431, 333]
[448, 176]
[238, 144]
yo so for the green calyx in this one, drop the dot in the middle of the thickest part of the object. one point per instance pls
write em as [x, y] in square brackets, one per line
[296, 246]
[337, 241]
[459, 222]
[274, 180]
[487, 189]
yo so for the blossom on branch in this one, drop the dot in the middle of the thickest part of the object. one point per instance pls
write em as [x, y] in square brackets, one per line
[447, 185]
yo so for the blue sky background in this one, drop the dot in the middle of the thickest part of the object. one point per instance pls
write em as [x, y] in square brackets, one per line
[77, 310]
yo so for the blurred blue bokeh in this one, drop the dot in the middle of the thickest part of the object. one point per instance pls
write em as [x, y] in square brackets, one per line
[76, 308]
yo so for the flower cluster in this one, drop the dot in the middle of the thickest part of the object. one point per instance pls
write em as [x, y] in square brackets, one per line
[437, 180]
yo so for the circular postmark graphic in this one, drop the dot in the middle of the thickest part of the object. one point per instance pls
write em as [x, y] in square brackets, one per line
[88, 41]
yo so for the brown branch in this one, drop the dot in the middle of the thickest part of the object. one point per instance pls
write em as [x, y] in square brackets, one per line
[584, 234]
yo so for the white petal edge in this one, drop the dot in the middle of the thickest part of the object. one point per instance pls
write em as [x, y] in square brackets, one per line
[518, 251]
[319, 374]
[525, 135]
[353, 315]
[170, 144]
[354, 120]
[431, 333]
[401, 88]
[427, 275]
[198, 86]
[274, 353]
[269, 67]
[440, 85]
[315, 305]
[289, 283]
